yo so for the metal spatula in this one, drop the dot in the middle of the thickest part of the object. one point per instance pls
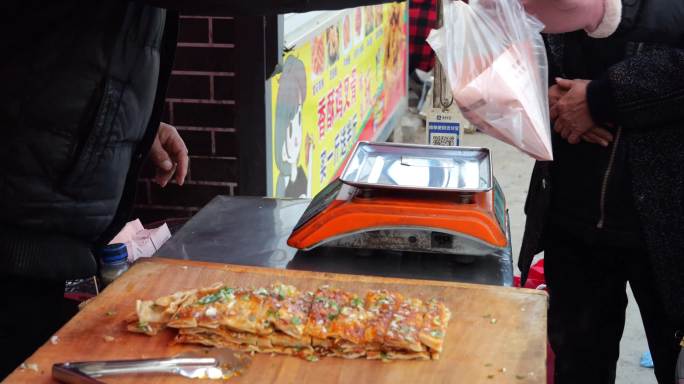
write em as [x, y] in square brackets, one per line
[210, 363]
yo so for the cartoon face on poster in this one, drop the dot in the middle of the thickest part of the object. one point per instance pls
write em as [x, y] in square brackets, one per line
[288, 133]
[333, 89]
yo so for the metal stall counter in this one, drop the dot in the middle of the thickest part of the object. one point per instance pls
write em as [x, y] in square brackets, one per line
[254, 231]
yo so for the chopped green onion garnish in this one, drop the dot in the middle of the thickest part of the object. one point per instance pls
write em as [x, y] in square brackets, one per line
[281, 292]
[143, 326]
[223, 294]
[271, 313]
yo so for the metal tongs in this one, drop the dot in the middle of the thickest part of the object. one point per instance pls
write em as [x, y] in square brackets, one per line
[210, 363]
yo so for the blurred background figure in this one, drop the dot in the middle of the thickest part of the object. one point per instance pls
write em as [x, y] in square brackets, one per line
[422, 19]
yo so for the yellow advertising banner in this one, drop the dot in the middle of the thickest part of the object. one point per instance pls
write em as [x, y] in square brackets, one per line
[339, 86]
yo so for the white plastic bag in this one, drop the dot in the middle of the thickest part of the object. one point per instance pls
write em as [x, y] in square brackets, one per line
[494, 57]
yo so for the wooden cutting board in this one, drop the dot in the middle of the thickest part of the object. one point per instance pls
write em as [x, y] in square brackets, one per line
[496, 334]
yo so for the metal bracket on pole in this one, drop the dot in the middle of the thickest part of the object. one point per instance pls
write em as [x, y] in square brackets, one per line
[441, 93]
[443, 123]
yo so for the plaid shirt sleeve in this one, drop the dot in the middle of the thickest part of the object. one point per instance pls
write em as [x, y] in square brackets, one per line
[422, 18]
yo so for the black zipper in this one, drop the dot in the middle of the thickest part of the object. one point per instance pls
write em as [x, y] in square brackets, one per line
[606, 178]
[631, 50]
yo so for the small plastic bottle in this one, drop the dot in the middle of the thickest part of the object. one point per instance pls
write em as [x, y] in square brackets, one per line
[113, 262]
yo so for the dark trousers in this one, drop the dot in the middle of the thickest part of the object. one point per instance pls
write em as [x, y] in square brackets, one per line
[587, 288]
[32, 311]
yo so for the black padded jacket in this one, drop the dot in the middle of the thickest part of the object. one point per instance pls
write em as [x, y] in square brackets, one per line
[81, 95]
[645, 98]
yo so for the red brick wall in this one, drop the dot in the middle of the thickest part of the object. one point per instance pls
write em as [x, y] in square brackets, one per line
[200, 102]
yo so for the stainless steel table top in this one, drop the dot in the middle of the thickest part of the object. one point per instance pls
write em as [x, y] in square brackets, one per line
[254, 231]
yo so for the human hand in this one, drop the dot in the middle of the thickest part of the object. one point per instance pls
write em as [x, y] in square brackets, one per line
[572, 111]
[595, 135]
[598, 135]
[169, 155]
[556, 92]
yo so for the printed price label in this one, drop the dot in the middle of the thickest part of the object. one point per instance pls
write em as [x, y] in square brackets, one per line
[443, 128]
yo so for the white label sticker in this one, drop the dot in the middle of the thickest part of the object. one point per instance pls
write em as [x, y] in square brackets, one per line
[443, 128]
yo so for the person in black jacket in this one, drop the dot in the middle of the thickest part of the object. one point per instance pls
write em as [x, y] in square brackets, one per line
[83, 85]
[610, 209]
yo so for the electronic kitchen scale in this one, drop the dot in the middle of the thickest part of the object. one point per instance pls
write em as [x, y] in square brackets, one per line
[411, 198]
